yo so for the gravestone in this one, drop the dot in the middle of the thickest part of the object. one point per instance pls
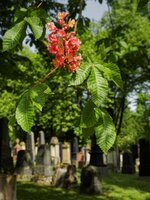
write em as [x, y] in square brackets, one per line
[96, 157]
[90, 180]
[66, 153]
[87, 154]
[22, 145]
[128, 166]
[24, 163]
[41, 138]
[70, 178]
[54, 151]
[43, 165]
[144, 167]
[112, 160]
[58, 177]
[16, 148]
[30, 146]
[65, 177]
[60, 151]
[36, 146]
[74, 151]
[96, 154]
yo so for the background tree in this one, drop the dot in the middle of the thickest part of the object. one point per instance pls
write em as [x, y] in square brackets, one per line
[124, 41]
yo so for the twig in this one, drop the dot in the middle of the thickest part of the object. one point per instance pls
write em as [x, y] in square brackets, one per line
[39, 4]
[46, 76]
[79, 16]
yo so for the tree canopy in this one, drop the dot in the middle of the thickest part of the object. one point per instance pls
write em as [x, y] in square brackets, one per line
[119, 43]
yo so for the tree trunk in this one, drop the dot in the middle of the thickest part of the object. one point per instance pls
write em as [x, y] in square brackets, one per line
[7, 187]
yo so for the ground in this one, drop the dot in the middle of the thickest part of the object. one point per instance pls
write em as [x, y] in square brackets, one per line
[116, 187]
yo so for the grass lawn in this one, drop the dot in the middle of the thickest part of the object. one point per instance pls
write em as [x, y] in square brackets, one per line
[116, 187]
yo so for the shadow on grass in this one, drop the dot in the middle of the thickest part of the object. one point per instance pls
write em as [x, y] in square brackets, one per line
[126, 181]
[30, 191]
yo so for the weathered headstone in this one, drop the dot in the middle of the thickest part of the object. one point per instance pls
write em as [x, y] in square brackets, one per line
[66, 153]
[112, 160]
[65, 177]
[144, 167]
[30, 146]
[36, 146]
[128, 163]
[16, 148]
[59, 176]
[41, 138]
[22, 145]
[43, 164]
[87, 154]
[60, 151]
[90, 180]
[54, 151]
[24, 163]
[96, 153]
[96, 157]
[70, 179]
[74, 151]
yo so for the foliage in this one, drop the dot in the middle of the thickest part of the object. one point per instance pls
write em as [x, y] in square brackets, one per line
[97, 81]
[124, 41]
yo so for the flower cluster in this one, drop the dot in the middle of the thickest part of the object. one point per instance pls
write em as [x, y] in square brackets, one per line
[63, 43]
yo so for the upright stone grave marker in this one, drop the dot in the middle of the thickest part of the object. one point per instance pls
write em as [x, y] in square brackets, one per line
[112, 160]
[144, 167]
[87, 154]
[66, 153]
[43, 164]
[54, 151]
[30, 146]
[41, 138]
[24, 163]
[74, 151]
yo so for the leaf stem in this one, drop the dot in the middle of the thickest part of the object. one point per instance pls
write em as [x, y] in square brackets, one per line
[46, 76]
[79, 16]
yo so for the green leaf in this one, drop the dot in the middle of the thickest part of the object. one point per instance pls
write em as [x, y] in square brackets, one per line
[87, 132]
[38, 95]
[36, 26]
[105, 133]
[81, 74]
[20, 14]
[25, 112]
[112, 72]
[14, 36]
[123, 44]
[98, 86]
[88, 118]
[41, 13]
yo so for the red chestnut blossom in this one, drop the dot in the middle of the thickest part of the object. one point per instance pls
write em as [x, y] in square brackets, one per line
[64, 44]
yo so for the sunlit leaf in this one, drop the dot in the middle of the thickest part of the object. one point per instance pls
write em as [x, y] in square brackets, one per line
[39, 94]
[14, 36]
[98, 86]
[81, 74]
[105, 132]
[25, 112]
[36, 26]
